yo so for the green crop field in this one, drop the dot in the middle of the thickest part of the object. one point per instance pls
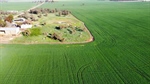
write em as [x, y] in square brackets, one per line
[19, 6]
[120, 53]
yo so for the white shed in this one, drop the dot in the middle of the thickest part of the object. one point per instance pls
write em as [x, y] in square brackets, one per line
[26, 26]
[10, 30]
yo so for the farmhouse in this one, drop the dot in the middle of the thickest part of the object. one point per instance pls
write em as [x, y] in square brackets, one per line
[9, 30]
[24, 23]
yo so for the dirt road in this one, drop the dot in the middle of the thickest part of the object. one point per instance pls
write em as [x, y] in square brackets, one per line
[36, 6]
[29, 9]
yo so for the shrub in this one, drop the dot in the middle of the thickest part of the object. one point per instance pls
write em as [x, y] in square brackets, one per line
[2, 23]
[26, 33]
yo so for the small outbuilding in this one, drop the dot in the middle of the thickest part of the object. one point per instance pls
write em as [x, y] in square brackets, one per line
[9, 30]
[26, 26]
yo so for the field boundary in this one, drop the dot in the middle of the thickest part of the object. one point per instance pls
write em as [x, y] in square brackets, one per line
[91, 36]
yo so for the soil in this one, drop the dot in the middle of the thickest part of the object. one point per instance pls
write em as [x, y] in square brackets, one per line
[6, 39]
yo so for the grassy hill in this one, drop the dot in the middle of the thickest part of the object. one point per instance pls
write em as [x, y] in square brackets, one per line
[119, 54]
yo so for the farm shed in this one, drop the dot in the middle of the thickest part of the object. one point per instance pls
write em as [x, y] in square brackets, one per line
[10, 31]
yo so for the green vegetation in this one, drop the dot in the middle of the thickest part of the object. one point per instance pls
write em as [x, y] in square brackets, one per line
[120, 53]
[26, 32]
[2, 23]
[57, 29]
[19, 6]
[35, 31]
[9, 18]
[32, 32]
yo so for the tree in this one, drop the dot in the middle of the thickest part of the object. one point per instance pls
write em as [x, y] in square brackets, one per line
[9, 18]
[2, 23]
[26, 33]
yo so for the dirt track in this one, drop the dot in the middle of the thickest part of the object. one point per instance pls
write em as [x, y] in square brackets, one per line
[30, 9]
[5, 39]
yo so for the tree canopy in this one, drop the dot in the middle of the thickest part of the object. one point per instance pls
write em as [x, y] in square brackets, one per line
[9, 18]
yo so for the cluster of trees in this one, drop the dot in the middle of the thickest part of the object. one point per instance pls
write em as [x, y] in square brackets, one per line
[37, 1]
[49, 0]
[8, 12]
[63, 12]
[55, 37]
[47, 10]
[42, 11]
[7, 19]
[29, 17]
[60, 27]
[70, 29]
[69, 26]
[34, 14]
[43, 1]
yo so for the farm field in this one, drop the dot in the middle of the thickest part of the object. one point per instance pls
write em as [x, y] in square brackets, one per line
[17, 6]
[119, 54]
